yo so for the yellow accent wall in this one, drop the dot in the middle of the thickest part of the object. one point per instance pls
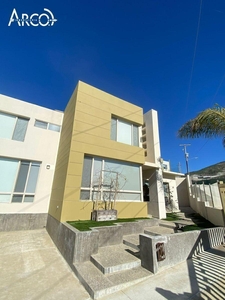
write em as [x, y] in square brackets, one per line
[86, 130]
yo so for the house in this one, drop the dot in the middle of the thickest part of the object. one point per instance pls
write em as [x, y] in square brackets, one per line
[29, 138]
[58, 163]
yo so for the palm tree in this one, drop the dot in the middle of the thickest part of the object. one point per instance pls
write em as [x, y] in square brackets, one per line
[208, 123]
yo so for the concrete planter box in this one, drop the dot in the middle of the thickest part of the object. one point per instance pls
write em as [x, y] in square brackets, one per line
[104, 215]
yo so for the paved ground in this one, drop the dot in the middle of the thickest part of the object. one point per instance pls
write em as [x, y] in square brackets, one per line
[32, 268]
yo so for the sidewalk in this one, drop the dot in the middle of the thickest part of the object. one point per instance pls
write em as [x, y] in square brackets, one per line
[32, 268]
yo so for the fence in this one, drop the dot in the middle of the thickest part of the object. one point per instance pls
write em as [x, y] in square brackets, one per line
[205, 199]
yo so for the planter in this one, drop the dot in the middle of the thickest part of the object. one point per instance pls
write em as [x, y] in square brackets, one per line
[104, 215]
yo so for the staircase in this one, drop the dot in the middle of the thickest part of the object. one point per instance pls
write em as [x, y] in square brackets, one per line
[111, 269]
[116, 267]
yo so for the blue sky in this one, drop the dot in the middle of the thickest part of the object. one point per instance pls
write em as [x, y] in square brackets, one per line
[140, 51]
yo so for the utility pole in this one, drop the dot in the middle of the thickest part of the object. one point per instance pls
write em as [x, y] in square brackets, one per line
[186, 155]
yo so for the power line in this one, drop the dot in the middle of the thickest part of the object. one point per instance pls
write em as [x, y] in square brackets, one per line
[218, 89]
[202, 146]
[193, 60]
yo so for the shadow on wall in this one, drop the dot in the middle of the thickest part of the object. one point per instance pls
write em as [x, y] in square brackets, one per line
[207, 268]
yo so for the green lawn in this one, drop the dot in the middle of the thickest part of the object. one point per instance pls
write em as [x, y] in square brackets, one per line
[200, 222]
[172, 217]
[85, 225]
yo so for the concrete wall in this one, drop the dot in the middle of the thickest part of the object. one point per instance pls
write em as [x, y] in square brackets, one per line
[182, 192]
[13, 222]
[86, 130]
[156, 204]
[214, 215]
[39, 145]
[77, 246]
[222, 195]
[200, 200]
[152, 137]
[178, 247]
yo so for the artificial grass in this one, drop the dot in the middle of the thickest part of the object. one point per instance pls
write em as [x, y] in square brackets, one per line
[200, 222]
[86, 224]
[192, 227]
[172, 217]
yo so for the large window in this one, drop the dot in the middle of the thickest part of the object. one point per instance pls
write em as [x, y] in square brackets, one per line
[124, 132]
[12, 127]
[18, 180]
[107, 179]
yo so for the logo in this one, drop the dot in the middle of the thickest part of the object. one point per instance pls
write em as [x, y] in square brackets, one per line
[45, 19]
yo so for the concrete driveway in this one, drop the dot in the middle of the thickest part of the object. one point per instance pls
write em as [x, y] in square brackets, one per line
[32, 268]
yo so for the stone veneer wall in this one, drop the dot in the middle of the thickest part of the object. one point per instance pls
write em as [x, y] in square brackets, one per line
[13, 222]
[178, 247]
[77, 246]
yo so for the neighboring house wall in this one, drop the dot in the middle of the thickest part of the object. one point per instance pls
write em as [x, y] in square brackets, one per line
[87, 131]
[182, 191]
[39, 146]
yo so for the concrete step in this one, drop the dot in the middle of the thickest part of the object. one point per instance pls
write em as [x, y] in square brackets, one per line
[98, 285]
[168, 224]
[132, 241]
[115, 258]
[158, 230]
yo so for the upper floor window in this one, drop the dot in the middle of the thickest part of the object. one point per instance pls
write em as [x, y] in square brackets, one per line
[13, 127]
[46, 125]
[124, 132]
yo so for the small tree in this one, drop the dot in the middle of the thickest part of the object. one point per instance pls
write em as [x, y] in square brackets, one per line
[107, 187]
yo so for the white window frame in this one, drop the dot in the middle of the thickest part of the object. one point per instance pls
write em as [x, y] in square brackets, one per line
[132, 131]
[16, 120]
[24, 193]
[91, 189]
[48, 124]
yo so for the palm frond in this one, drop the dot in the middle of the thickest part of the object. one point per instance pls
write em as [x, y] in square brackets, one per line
[208, 123]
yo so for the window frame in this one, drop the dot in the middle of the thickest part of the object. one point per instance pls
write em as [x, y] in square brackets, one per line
[15, 126]
[24, 193]
[132, 125]
[48, 124]
[103, 190]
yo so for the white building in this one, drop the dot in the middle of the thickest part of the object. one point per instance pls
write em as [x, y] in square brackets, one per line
[29, 138]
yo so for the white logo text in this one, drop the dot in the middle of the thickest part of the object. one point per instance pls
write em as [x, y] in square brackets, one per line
[45, 19]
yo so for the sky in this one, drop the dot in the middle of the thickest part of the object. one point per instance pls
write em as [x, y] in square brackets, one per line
[167, 55]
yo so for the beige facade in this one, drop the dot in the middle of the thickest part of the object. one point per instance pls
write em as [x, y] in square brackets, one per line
[86, 131]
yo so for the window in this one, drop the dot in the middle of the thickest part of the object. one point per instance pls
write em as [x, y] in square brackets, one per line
[107, 179]
[13, 127]
[165, 167]
[45, 125]
[124, 132]
[18, 180]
